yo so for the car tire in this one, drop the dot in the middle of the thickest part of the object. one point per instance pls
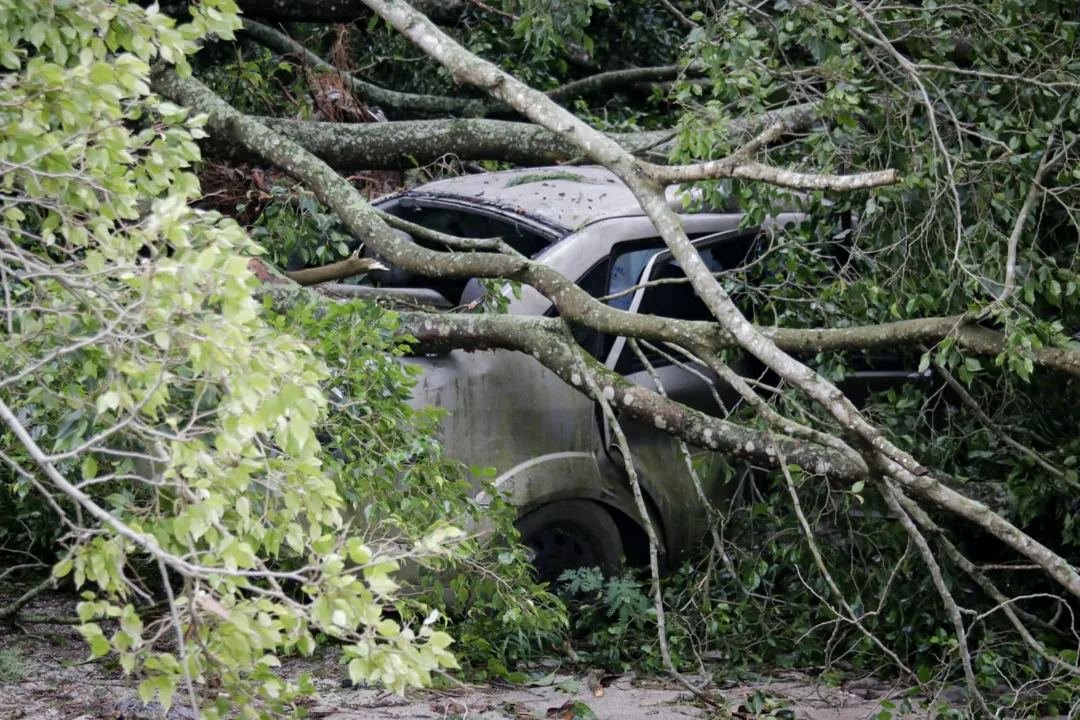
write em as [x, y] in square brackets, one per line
[568, 534]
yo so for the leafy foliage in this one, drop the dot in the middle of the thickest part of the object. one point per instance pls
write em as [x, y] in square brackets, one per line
[170, 426]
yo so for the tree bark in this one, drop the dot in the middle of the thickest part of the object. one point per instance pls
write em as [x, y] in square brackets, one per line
[403, 144]
[354, 265]
[545, 340]
[616, 79]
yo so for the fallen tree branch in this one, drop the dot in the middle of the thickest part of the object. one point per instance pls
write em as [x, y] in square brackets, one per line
[378, 146]
[643, 512]
[542, 339]
[759, 172]
[10, 610]
[616, 79]
[772, 417]
[370, 225]
[1015, 615]
[716, 518]
[353, 265]
[912, 333]
[573, 302]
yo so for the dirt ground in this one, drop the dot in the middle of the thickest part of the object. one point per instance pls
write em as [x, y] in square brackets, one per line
[58, 685]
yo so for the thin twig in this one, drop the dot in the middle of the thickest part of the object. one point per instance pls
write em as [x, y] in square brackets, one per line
[643, 511]
[678, 14]
[889, 492]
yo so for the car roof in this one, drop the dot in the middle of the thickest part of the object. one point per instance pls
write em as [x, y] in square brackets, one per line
[570, 197]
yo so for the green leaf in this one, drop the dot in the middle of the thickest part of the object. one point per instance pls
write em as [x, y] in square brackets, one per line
[440, 640]
[63, 568]
[580, 711]
[543, 681]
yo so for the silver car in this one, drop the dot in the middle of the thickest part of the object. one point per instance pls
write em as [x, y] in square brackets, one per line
[554, 457]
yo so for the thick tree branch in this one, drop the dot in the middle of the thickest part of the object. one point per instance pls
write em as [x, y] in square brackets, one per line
[378, 146]
[741, 169]
[544, 339]
[404, 144]
[912, 333]
[369, 225]
[574, 303]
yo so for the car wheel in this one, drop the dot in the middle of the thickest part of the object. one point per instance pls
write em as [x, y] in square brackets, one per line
[569, 534]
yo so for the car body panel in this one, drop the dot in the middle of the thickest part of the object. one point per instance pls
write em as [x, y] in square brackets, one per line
[568, 197]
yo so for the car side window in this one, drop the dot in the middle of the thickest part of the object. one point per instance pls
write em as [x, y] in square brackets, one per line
[678, 300]
[616, 274]
[594, 282]
[623, 269]
[625, 273]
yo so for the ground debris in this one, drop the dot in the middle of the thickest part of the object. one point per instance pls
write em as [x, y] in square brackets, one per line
[136, 710]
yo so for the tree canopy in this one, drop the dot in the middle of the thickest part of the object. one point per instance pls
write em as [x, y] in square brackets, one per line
[179, 404]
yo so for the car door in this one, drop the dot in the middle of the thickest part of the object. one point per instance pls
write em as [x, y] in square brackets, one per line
[503, 410]
[656, 454]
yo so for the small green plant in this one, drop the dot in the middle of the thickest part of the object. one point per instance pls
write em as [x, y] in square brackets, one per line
[12, 667]
[612, 616]
[765, 707]
[621, 596]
